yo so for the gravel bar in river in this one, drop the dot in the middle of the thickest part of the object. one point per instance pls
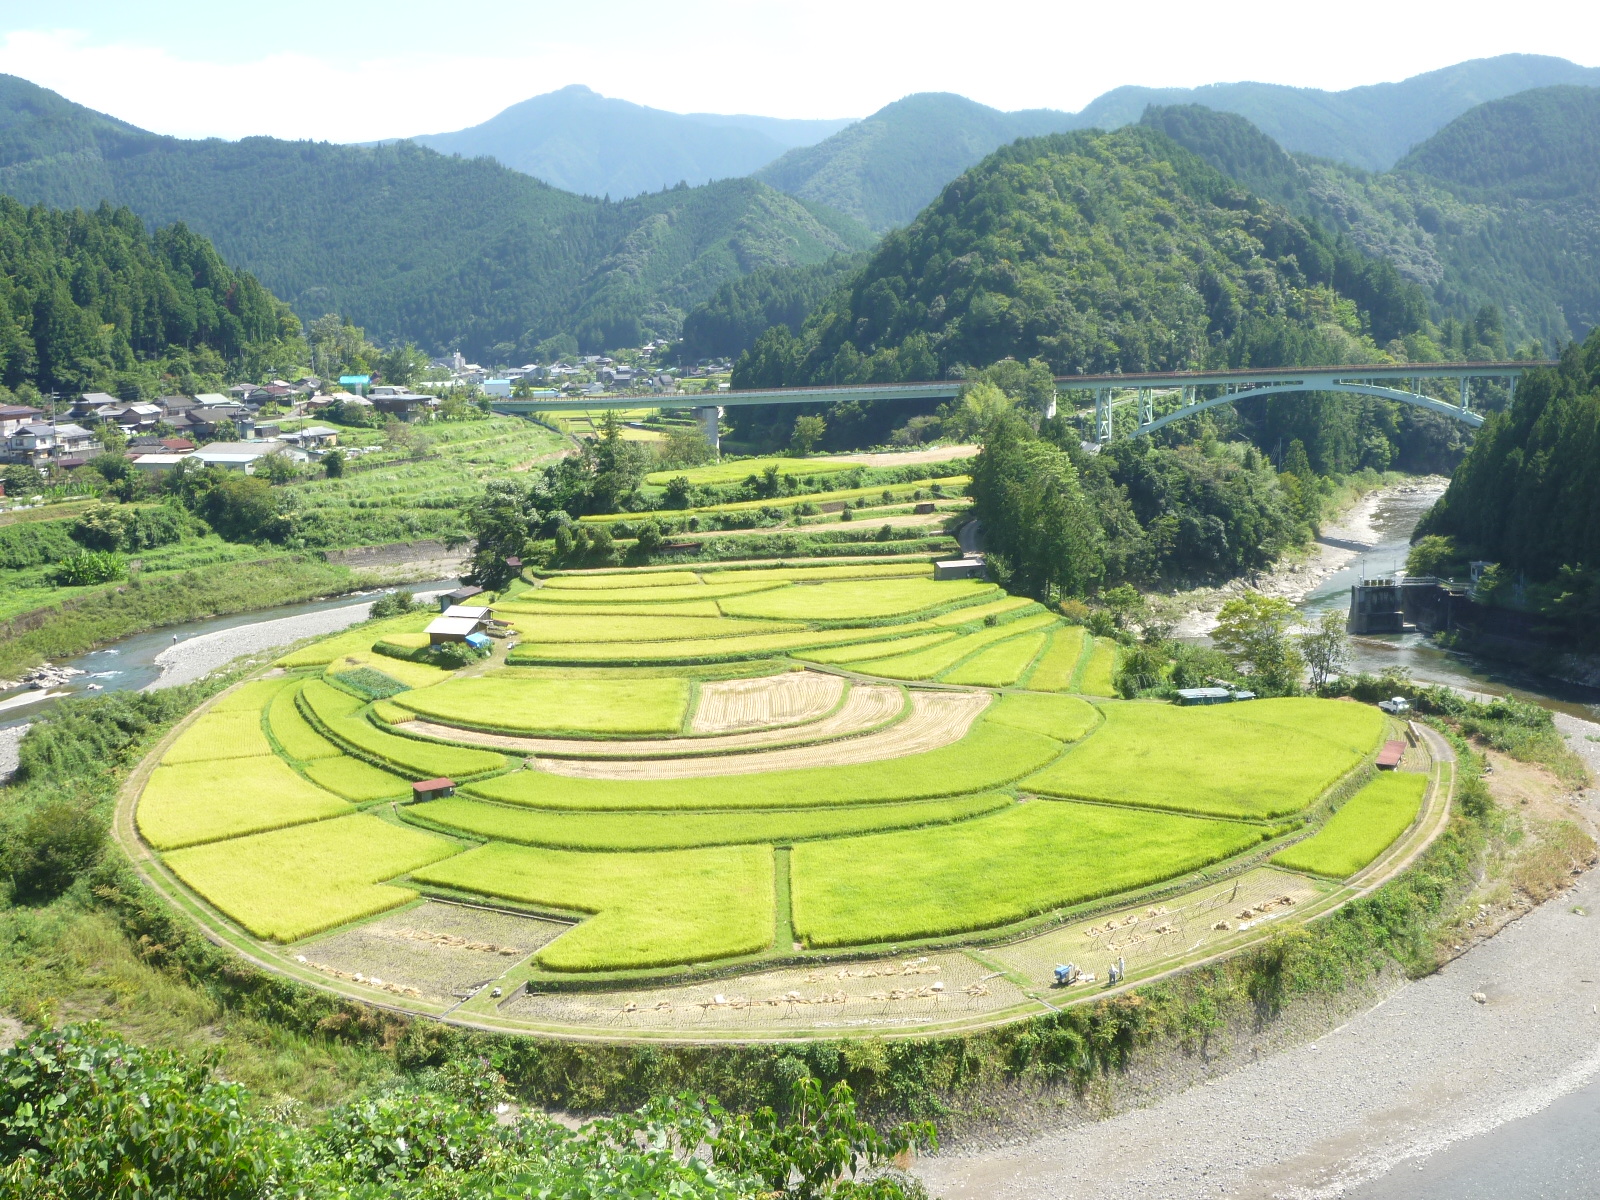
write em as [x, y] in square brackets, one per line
[185, 661]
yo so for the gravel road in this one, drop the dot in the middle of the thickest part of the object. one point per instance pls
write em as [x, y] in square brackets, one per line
[1426, 1069]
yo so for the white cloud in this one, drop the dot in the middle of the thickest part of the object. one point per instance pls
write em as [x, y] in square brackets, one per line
[287, 94]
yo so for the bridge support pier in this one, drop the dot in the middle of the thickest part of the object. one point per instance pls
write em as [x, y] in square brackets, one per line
[1102, 416]
[709, 415]
[1050, 409]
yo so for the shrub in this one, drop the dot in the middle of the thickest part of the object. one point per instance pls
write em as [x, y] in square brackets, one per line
[395, 603]
[54, 844]
[454, 655]
[89, 567]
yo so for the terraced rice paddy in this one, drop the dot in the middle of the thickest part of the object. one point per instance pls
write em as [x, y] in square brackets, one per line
[676, 767]
[1265, 758]
[1366, 826]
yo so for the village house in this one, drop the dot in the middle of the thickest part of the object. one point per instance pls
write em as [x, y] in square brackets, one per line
[38, 444]
[246, 456]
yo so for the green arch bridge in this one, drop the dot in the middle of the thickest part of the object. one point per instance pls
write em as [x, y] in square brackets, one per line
[1196, 391]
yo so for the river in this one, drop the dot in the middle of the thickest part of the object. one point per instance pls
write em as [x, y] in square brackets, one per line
[1396, 515]
[182, 653]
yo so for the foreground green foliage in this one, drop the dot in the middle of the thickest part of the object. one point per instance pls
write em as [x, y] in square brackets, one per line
[85, 1113]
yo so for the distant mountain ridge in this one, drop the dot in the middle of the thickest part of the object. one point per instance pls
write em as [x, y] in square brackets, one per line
[581, 141]
[410, 243]
[884, 169]
[1369, 127]
[1500, 207]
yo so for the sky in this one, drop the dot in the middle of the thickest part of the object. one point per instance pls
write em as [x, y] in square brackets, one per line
[355, 70]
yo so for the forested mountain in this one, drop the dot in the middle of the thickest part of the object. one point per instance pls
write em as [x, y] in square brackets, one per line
[1497, 209]
[1121, 251]
[742, 309]
[1096, 252]
[95, 301]
[1369, 127]
[1527, 493]
[885, 169]
[583, 142]
[410, 243]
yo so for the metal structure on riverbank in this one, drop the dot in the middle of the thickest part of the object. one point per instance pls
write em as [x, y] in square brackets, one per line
[1196, 392]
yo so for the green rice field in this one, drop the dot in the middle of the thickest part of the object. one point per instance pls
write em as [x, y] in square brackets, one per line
[577, 705]
[1055, 669]
[1001, 665]
[654, 909]
[357, 781]
[733, 472]
[674, 831]
[196, 802]
[713, 788]
[1366, 826]
[292, 883]
[996, 869]
[1099, 672]
[220, 735]
[1259, 759]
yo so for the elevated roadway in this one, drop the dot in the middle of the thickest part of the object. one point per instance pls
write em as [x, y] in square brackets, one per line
[1195, 391]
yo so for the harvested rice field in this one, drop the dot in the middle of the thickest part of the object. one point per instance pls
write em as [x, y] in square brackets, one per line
[432, 951]
[669, 769]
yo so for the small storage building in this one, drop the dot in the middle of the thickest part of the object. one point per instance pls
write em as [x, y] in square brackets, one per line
[1391, 754]
[460, 596]
[452, 629]
[958, 568]
[433, 789]
[1205, 695]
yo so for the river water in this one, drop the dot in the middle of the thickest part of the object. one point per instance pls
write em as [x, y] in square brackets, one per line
[181, 653]
[1396, 516]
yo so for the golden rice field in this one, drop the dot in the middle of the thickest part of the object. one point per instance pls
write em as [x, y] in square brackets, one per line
[692, 767]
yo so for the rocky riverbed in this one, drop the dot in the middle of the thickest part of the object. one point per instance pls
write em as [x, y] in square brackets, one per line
[1295, 577]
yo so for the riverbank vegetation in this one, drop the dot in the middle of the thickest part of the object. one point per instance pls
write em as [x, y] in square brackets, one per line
[1521, 499]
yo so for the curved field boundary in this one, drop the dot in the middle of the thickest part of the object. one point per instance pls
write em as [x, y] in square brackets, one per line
[485, 1014]
[740, 705]
[936, 719]
[867, 708]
